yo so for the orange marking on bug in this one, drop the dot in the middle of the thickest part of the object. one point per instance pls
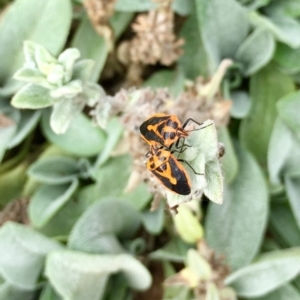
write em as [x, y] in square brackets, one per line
[163, 164]
[164, 130]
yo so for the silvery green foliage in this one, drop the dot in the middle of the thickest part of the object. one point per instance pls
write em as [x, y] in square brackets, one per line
[61, 82]
[203, 157]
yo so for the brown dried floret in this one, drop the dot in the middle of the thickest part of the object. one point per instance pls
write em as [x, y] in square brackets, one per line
[5, 121]
[217, 262]
[155, 41]
[15, 211]
[190, 276]
[99, 12]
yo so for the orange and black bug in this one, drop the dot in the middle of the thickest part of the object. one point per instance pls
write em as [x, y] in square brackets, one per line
[168, 170]
[162, 129]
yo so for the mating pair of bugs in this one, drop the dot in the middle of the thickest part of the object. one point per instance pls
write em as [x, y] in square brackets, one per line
[163, 132]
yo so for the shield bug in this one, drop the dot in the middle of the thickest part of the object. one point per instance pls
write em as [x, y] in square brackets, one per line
[164, 130]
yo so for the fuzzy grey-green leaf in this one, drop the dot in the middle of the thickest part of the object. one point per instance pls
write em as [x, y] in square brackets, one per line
[32, 97]
[287, 291]
[97, 229]
[91, 46]
[28, 121]
[266, 88]
[256, 51]
[81, 138]
[39, 23]
[288, 108]
[224, 26]
[268, 273]
[81, 276]
[54, 170]
[134, 5]
[236, 227]
[48, 200]
[23, 252]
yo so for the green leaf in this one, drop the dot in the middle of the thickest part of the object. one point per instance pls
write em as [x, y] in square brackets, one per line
[63, 113]
[22, 254]
[9, 291]
[48, 293]
[174, 80]
[227, 226]
[153, 221]
[91, 46]
[46, 23]
[214, 178]
[288, 8]
[194, 61]
[69, 90]
[28, 122]
[82, 70]
[139, 197]
[293, 191]
[287, 110]
[8, 128]
[34, 76]
[80, 276]
[61, 224]
[108, 184]
[97, 229]
[54, 170]
[223, 26]
[284, 28]
[229, 161]
[117, 288]
[183, 7]
[67, 59]
[81, 138]
[283, 293]
[256, 51]
[160, 79]
[268, 273]
[287, 58]
[12, 183]
[283, 225]
[119, 22]
[266, 88]
[175, 251]
[44, 60]
[114, 131]
[48, 200]
[212, 292]
[255, 4]
[284, 153]
[199, 265]
[134, 5]
[241, 104]
[187, 225]
[32, 97]
[172, 292]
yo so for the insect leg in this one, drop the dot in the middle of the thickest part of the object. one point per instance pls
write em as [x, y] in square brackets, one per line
[182, 160]
[190, 119]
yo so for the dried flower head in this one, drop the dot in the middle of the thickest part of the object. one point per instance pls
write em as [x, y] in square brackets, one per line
[217, 262]
[15, 211]
[155, 41]
[5, 121]
[204, 270]
[99, 12]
